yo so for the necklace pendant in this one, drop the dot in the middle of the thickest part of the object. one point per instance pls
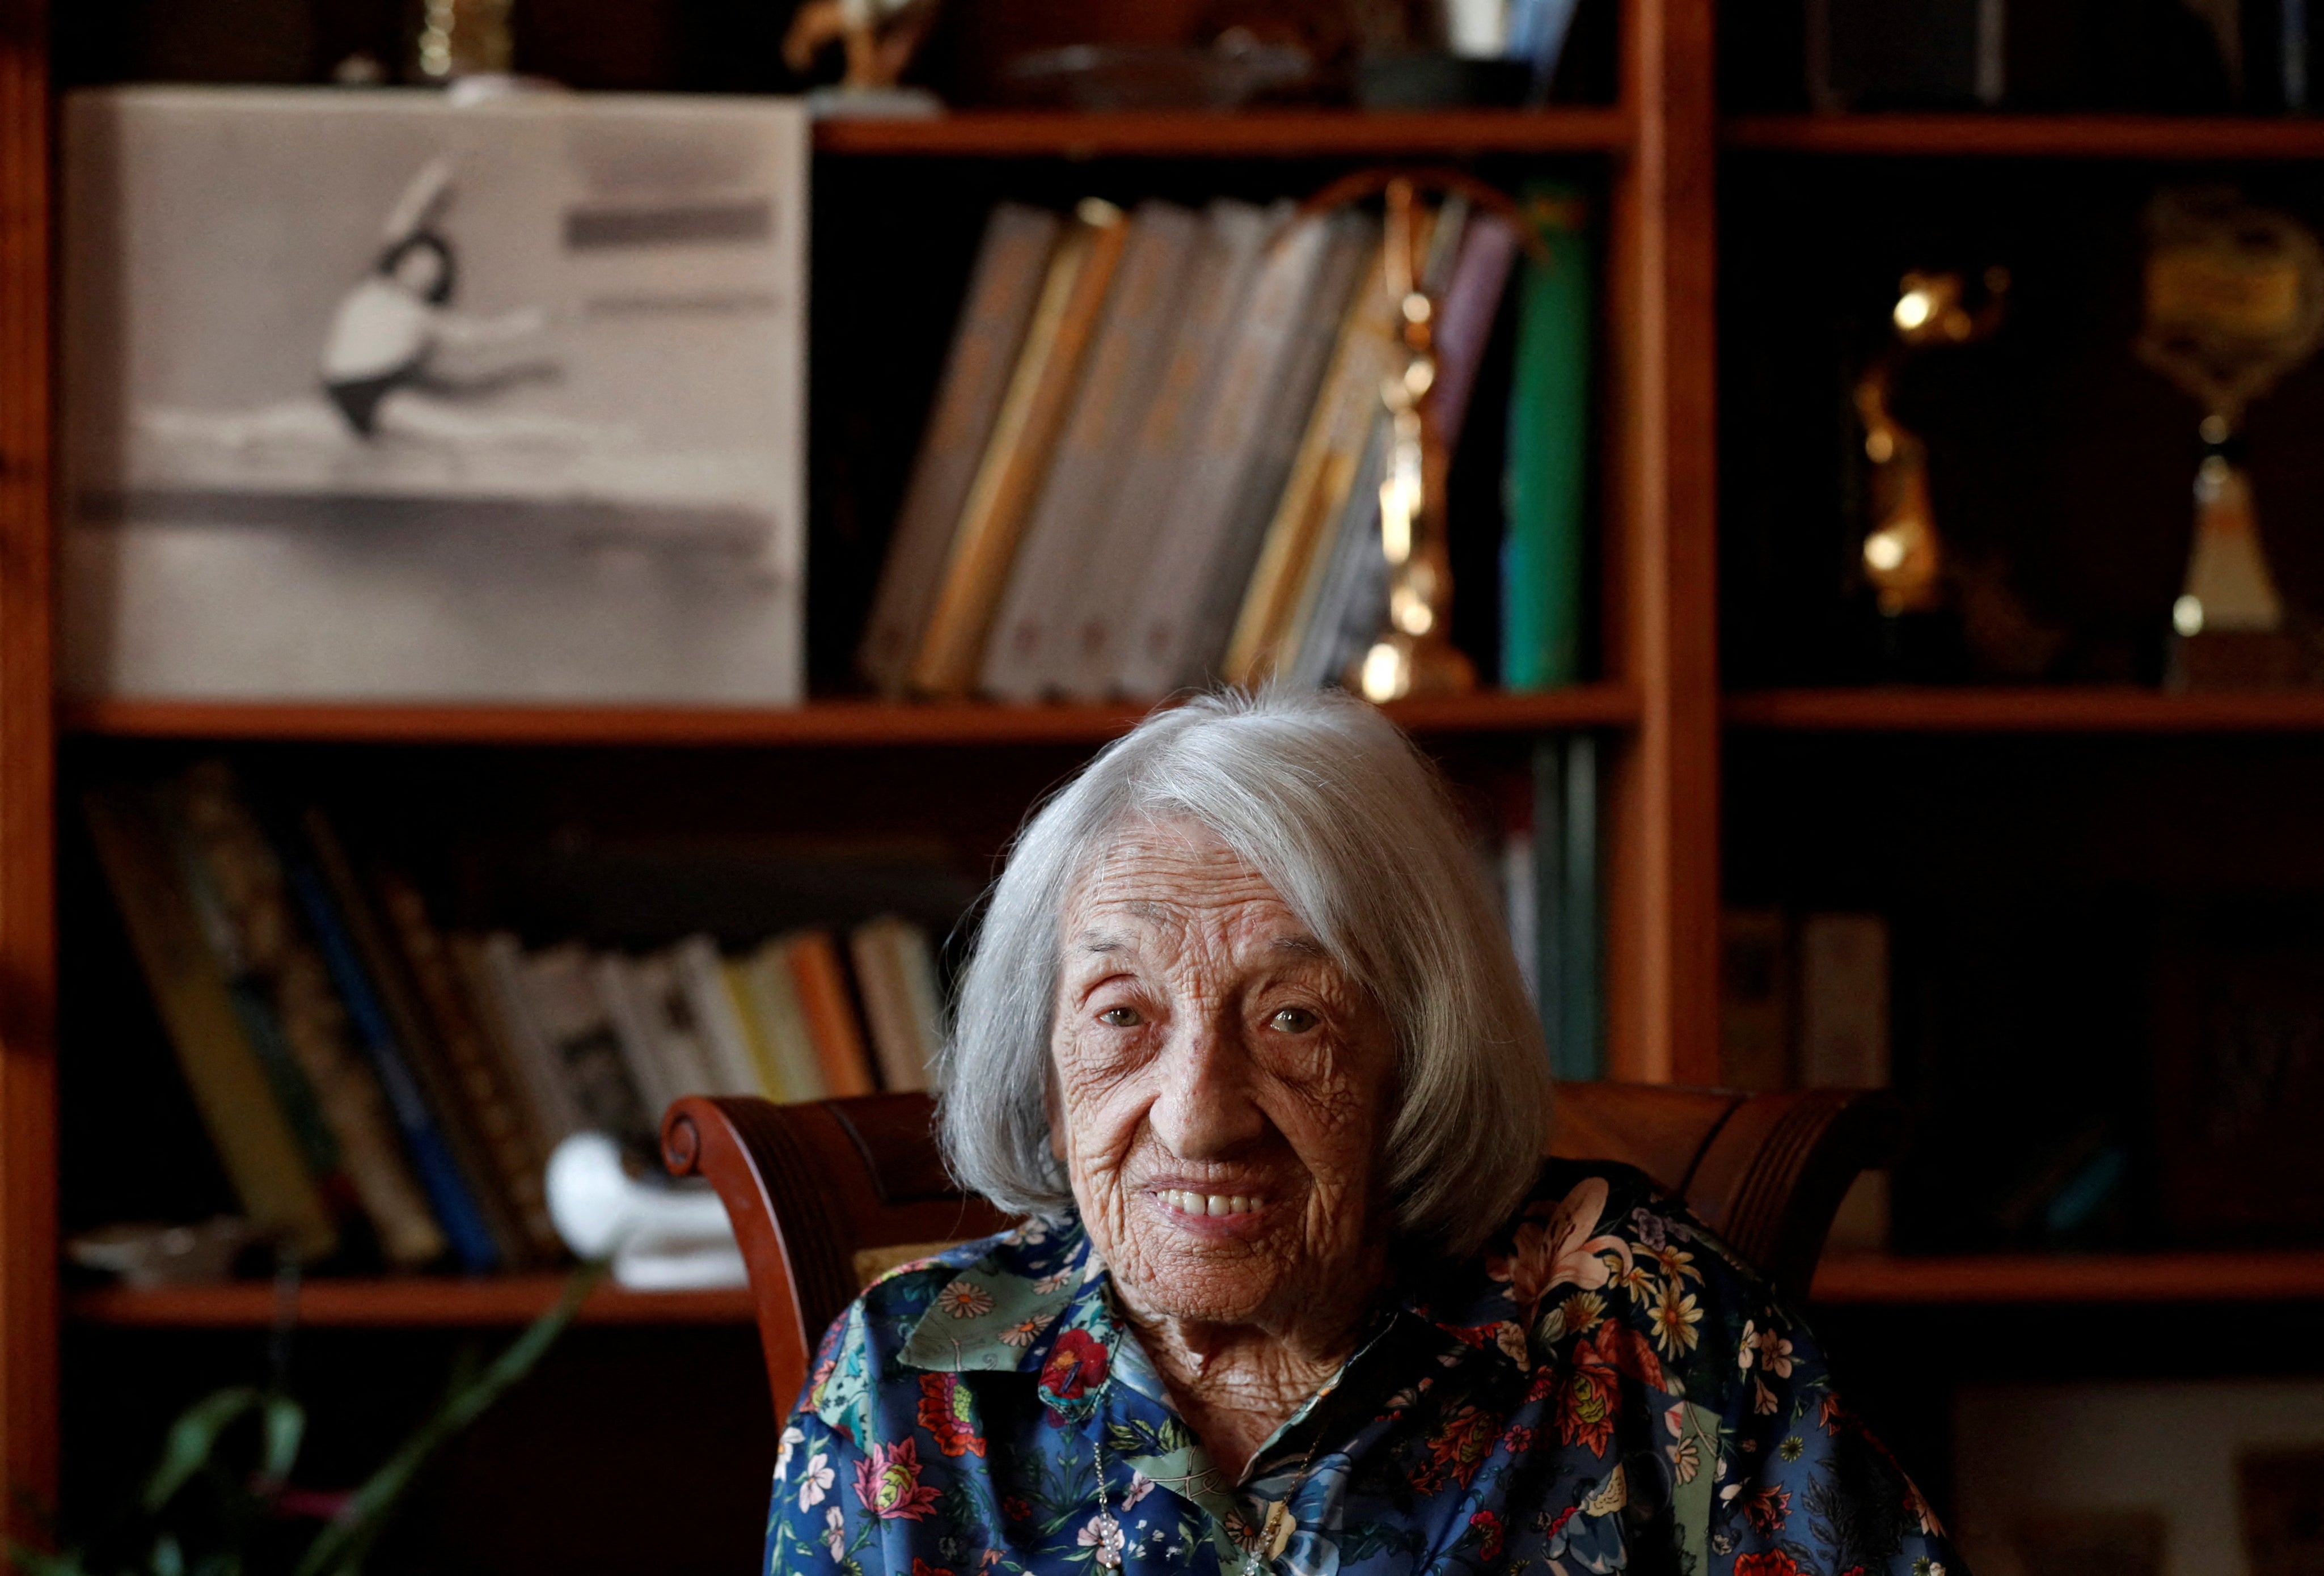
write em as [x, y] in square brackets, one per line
[1276, 1535]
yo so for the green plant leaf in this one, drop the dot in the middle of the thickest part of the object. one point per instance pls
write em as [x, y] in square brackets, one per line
[342, 1547]
[192, 1439]
[168, 1559]
[285, 1422]
[26, 1561]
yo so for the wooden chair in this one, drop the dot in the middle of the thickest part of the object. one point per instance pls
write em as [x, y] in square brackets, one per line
[826, 1195]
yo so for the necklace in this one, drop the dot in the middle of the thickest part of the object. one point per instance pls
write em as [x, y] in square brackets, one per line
[1113, 1542]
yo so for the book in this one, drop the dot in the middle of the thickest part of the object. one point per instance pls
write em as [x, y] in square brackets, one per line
[494, 968]
[447, 1183]
[1217, 465]
[1754, 993]
[461, 1116]
[1127, 538]
[1568, 928]
[723, 1036]
[649, 1012]
[1322, 474]
[1006, 283]
[1469, 302]
[812, 957]
[281, 964]
[1351, 253]
[484, 1082]
[1843, 1043]
[562, 1007]
[207, 903]
[1543, 540]
[1843, 1002]
[1041, 390]
[791, 1070]
[733, 978]
[900, 1006]
[1028, 653]
[1344, 611]
[254, 1143]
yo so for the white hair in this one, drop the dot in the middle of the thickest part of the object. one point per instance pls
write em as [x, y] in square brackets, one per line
[1330, 802]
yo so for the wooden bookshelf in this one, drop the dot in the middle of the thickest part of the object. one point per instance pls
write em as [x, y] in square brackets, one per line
[408, 1303]
[820, 722]
[2050, 710]
[1658, 150]
[2276, 1275]
[1246, 135]
[2031, 136]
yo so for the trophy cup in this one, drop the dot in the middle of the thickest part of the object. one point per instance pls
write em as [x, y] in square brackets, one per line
[2235, 298]
[1904, 556]
[1415, 655]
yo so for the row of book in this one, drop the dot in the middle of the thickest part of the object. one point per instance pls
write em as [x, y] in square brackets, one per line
[376, 1086]
[1156, 450]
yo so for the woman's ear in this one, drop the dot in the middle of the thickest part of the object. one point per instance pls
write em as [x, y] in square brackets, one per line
[1053, 1102]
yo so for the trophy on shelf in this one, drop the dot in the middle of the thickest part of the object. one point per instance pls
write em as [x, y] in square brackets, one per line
[1415, 655]
[461, 38]
[2235, 298]
[880, 38]
[1904, 557]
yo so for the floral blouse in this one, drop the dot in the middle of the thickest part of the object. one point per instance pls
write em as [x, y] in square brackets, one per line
[1605, 1389]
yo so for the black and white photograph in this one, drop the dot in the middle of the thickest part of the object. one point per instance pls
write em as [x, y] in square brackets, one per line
[494, 401]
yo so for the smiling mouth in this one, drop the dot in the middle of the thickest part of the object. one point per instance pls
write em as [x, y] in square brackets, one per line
[1208, 1204]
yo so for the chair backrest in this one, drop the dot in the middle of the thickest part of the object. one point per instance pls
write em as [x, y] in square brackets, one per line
[826, 1194]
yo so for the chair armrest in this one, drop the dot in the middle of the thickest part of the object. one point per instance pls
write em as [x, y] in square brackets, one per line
[1774, 1174]
[746, 1151]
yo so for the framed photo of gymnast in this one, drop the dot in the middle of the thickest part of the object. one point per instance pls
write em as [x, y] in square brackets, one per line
[370, 395]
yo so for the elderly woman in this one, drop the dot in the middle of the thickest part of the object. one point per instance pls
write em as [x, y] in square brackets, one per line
[1296, 1294]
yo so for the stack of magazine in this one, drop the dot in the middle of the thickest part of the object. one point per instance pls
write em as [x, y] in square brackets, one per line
[376, 1088]
[1156, 448]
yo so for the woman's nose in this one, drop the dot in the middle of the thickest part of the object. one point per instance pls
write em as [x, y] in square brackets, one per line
[1205, 1109]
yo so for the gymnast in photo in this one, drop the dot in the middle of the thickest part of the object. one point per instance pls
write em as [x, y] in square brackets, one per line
[1243, 1040]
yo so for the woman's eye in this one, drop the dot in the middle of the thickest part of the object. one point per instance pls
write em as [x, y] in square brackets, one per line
[1121, 1018]
[1292, 1020]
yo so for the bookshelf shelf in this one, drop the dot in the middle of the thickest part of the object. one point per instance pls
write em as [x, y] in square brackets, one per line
[2050, 136]
[414, 1303]
[2278, 1275]
[2010, 711]
[1257, 133]
[820, 722]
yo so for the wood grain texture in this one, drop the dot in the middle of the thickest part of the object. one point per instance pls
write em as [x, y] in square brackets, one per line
[822, 723]
[28, 1145]
[415, 1302]
[1253, 133]
[811, 1189]
[2071, 136]
[2091, 710]
[1663, 863]
[2279, 1275]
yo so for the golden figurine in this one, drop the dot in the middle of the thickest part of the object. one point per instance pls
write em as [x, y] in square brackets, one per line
[879, 36]
[2235, 298]
[1904, 554]
[462, 37]
[1415, 655]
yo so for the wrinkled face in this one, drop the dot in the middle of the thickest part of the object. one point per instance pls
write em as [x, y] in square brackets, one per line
[1221, 1091]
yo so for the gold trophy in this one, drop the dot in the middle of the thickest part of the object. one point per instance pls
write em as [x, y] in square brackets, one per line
[2235, 298]
[1904, 556]
[1415, 655]
[461, 38]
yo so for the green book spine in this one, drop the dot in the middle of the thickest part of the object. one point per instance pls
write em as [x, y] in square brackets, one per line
[1545, 485]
